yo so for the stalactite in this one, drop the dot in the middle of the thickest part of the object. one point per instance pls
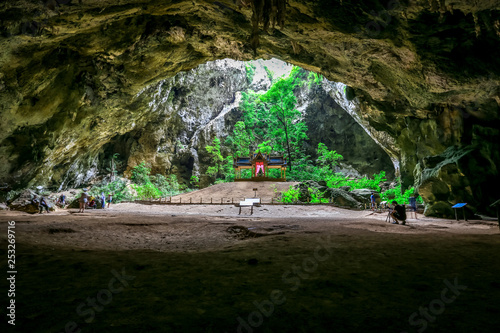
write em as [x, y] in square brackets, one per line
[269, 13]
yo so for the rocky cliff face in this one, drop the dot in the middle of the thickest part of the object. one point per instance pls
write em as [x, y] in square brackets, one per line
[334, 126]
[425, 74]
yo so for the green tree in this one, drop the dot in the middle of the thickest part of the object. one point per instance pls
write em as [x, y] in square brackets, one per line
[264, 147]
[114, 164]
[215, 170]
[326, 158]
[140, 173]
[285, 123]
[241, 140]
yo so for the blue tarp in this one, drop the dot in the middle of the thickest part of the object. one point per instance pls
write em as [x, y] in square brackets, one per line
[459, 205]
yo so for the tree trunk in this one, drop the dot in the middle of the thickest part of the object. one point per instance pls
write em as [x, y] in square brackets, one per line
[288, 147]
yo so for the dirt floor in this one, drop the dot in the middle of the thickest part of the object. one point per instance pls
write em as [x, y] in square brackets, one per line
[204, 268]
[234, 192]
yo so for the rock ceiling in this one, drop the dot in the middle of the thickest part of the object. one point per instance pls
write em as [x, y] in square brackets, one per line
[426, 73]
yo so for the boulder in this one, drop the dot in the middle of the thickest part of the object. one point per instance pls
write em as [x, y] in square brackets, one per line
[450, 178]
[23, 203]
[3, 206]
[316, 187]
[362, 195]
[341, 198]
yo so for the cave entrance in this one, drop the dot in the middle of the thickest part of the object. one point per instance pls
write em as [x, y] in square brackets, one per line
[239, 104]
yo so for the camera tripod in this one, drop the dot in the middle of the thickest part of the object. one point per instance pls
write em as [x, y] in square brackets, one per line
[389, 218]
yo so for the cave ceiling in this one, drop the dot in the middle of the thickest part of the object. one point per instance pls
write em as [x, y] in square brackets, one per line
[425, 72]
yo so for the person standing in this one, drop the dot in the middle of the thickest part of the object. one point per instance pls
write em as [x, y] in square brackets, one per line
[110, 198]
[103, 200]
[84, 197]
[413, 206]
[372, 201]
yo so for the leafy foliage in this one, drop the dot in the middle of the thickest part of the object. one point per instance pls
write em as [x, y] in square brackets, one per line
[140, 174]
[290, 196]
[317, 196]
[250, 71]
[339, 180]
[399, 196]
[216, 158]
[272, 116]
[155, 186]
[328, 159]
[118, 188]
[240, 141]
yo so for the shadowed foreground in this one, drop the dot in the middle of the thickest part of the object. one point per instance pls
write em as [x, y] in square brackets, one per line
[307, 274]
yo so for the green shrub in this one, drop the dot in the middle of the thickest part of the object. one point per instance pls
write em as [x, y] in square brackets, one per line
[117, 187]
[317, 196]
[140, 174]
[290, 196]
[339, 180]
[399, 197]
[250, 71]
[147, 191]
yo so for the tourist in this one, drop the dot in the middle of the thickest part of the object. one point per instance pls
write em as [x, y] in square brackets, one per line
[110, 198]
[372, 201]
[413, 206]
[92, 203]
[61, 201]
[35, 202]
[43, 204]
[103, 200]
[398, 213]
[83, 200]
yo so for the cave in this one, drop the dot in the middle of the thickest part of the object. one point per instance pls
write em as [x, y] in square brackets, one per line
[415, 85]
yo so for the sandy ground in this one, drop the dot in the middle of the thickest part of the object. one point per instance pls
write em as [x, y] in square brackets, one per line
[234, 192]
[204, 268]
[129, 226]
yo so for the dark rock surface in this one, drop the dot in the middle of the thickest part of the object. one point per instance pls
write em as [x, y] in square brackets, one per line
[71, 78]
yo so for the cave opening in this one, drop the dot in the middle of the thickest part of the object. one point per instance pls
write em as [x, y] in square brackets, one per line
[188, 111]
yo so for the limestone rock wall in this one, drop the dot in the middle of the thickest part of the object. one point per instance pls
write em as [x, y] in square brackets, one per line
[425, 74]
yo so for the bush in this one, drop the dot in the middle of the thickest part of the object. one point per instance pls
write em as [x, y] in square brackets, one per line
[399, 197]
[290, 196]
[147, 191]
[339, 180]
[117, 187]
[317, 196]
[140, 174]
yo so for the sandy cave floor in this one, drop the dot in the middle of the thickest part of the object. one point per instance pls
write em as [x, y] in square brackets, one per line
[204, 268]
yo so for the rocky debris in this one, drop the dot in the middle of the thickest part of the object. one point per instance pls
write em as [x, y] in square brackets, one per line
[3, 206]
[23, 202]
